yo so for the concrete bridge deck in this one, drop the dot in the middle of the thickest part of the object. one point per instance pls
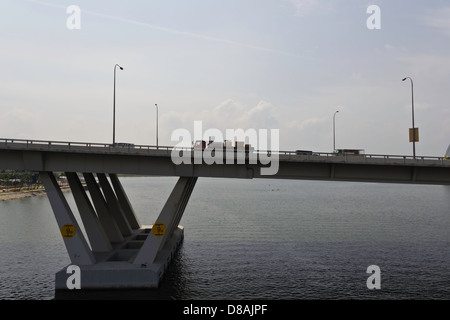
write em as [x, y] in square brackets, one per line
[58, 156]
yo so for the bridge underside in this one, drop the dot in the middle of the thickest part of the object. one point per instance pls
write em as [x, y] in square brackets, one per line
[113, 250]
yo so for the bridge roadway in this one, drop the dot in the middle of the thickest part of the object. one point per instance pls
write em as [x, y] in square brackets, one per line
[114, 250]
[57, 156]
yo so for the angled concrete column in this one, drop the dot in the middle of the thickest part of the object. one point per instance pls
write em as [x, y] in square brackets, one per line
[187, 191]
[167, 221]
[124, 202]
[97, 237]
[76, 245]
[114, 206]
[106, 220]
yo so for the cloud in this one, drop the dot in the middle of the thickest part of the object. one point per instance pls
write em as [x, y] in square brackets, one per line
[305, 7]
[229, 114]
[297, 131]
[19, 122]
[356, 76]
[263, 115]
[170, 30]
[307, 123]
[439, 19]
[302, 7]
[429, 66]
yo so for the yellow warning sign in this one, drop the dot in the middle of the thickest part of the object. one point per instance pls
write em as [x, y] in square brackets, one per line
[159, 229]
[414, 135]
[68, 230]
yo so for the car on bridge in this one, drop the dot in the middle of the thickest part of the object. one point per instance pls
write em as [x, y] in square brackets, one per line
[303, 152]
[349, 152]
[123, 145]
[226, 146]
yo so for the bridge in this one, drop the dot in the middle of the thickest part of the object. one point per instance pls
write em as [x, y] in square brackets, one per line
[116, 250]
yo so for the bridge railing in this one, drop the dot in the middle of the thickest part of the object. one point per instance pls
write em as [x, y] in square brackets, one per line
[77, 146]
[129, 148]
[378, 158]
[45, 144]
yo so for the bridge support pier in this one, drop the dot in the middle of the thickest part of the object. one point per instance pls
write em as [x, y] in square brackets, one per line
[117, 251]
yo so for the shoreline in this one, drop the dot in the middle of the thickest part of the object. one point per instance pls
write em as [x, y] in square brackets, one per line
[7, 196]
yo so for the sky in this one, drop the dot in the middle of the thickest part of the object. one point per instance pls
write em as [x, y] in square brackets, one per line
[250, 64]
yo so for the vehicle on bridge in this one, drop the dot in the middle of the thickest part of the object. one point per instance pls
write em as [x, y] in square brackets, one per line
[199, 145]
[303, 152]
[350, 152]
[226, 146]
[122, 145]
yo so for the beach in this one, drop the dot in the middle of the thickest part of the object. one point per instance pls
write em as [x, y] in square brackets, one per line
[5, 196]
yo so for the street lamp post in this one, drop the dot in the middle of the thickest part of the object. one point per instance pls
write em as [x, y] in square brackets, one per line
[114, 104]
[334, 131]
[413, 128]
[156, 105]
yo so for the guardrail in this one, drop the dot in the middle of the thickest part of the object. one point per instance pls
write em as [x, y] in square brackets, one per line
[70, 146]
[385, 157]
[132, 148]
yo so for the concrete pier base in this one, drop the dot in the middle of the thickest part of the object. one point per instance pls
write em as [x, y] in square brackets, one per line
[114, 251]
[116, 270]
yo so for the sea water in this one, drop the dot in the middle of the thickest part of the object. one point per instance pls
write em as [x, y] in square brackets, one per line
[261, 239]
